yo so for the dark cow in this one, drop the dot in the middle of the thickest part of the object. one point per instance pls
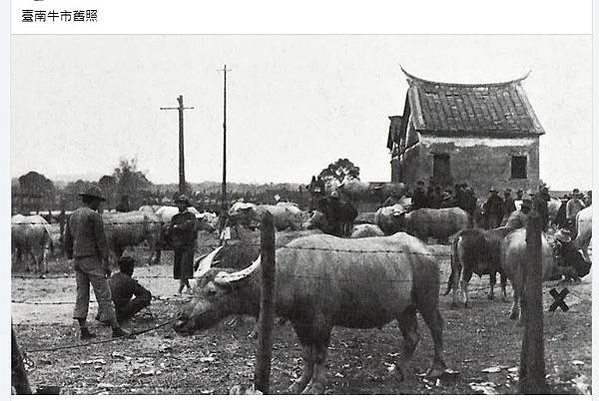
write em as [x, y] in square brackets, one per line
[476, 251]
[339, 215]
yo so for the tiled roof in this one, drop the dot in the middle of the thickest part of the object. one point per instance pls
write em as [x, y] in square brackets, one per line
[496, 109]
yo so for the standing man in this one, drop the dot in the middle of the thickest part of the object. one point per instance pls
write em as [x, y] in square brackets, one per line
[493, 209]
[419, 198]
[182, 233]
[509, 205]
[85, 242]
[332, 214]
[589, 198]
[574, 205]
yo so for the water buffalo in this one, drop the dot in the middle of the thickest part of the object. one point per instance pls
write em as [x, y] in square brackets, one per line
[436, 223]
[476, 251]
[366, 230]
[30, 235]
[584, 228]
[515, 262]
[323, 281]
[125, 229]
[286, 215]
[388, 218]
[553, 206]
[333, 216]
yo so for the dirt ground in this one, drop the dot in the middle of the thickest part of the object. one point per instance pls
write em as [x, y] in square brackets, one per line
[481, 344]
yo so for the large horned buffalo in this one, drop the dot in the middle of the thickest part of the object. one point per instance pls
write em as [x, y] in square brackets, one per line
[324, 281]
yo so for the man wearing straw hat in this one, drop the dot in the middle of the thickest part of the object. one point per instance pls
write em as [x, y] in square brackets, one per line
[85, 243]
[182, 234]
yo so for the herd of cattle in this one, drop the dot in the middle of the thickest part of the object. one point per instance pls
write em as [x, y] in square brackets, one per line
[381, 271]
[323, 281]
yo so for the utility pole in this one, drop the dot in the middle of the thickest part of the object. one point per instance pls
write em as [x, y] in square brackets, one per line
[224, 183]
[181, 146]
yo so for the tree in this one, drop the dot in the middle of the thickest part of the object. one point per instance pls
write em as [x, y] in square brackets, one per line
[36, 191]
[71, 193]
[336, 172]
[108, 183]
[131, 184]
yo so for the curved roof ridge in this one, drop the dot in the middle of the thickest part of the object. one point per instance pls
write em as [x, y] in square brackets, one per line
[413, 77]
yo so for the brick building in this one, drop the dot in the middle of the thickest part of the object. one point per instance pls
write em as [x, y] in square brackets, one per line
[484, 134]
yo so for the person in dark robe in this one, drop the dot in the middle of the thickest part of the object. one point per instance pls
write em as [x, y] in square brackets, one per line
[509, 205]
[181, 232]
[493, 209]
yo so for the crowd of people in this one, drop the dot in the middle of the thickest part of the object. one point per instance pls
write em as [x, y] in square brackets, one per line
[496, 209]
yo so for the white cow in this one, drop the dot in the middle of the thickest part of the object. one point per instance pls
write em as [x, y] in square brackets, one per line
[584, 228]
[285, 214]
[31, 235]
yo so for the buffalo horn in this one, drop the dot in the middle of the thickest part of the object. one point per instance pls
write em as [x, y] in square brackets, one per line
[206, 263]
[224, 278]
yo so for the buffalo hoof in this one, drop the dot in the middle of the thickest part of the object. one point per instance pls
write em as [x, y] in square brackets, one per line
[314, 389]
[490, 297]
[401, 373]
[514, 315]
[435, 372]
[295, 388]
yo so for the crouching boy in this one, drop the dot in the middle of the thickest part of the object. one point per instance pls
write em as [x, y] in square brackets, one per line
[123, 287]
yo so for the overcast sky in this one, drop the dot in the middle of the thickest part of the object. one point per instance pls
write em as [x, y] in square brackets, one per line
[295, 103]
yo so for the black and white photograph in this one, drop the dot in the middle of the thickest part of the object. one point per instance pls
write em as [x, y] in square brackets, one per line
[301, 214]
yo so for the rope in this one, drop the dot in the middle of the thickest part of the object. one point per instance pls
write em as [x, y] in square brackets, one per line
[22, 302]
[102, 341]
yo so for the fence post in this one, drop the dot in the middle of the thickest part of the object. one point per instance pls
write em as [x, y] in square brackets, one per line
[532, 357]
[18, 374]
[267, 287]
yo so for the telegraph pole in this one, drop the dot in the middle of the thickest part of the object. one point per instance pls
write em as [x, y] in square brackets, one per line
[224, 183]
[181, 146]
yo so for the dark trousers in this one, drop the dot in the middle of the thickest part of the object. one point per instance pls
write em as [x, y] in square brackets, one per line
[126, 311]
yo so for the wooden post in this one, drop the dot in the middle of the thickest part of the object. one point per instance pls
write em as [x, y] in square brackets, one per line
[180, 108]
[223, 191]
[18, 374]
[532, 357]
[267, 309]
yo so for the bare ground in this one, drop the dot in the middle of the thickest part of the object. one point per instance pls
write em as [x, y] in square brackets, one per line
[360, 361]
